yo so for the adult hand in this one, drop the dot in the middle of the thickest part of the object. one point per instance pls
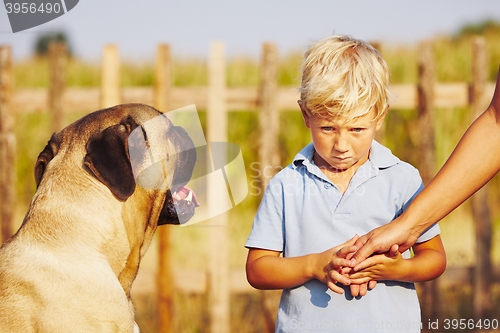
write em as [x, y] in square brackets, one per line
[391, 237]
[385, 266]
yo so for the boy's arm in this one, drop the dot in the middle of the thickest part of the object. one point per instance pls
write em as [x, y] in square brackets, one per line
[267, 270]
[428, 263]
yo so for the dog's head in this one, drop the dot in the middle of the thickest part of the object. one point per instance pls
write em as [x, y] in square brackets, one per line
[129, 146]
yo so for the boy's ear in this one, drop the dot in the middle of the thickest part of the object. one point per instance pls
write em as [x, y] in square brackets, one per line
[305, 115]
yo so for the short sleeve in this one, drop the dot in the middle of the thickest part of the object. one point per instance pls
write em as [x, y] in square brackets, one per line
[267, 229]
[430, 233]
[415, 187]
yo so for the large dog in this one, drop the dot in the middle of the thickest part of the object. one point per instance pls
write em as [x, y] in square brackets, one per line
[104, 184]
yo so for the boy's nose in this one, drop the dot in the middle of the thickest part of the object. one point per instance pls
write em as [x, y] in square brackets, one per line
[341, 144]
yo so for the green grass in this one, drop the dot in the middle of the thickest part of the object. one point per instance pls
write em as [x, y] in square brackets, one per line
[191, 71]
[452, 56]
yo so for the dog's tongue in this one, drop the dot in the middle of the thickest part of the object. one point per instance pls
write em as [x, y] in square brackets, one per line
[185, 193]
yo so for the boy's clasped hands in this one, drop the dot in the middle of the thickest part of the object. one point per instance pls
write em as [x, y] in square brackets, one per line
[342, 268]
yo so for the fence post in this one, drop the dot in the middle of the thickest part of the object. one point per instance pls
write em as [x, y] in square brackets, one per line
[165, 279]
[163, 78]
[110, 77]
[218, 293]
[426, 102]
[482, 300]
[7, 146]
[269, 157]
[269, 116]
[380, 136]
[57, 69]
[426, 153]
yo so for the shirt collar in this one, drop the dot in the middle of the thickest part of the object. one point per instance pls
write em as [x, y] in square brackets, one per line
[381, 157]
[304, 157]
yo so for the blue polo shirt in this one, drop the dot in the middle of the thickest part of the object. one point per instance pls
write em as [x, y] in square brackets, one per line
[303, 212]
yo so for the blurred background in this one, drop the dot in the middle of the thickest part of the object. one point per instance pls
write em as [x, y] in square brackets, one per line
[171, 54]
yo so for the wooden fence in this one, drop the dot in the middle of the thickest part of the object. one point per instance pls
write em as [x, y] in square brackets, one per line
[268, 99]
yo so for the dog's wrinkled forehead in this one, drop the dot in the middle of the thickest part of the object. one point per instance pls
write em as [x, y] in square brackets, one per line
[147, 142]
[128, 115]
[153, 146]
[152, 130]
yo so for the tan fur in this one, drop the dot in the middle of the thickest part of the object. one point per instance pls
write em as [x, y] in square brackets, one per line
[71, 265]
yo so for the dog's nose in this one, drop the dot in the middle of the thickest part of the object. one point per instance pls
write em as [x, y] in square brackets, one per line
[186, 156]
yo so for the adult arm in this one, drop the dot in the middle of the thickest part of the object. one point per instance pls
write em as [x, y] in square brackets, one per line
[475, 160]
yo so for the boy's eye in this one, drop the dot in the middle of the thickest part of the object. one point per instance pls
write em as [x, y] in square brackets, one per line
[357, 129]
[327, 128]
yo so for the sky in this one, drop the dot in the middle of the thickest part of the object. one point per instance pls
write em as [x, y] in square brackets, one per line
[189, 26]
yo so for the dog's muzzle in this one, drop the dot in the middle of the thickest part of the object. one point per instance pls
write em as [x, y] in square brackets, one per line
[179, 207]
[181, 201]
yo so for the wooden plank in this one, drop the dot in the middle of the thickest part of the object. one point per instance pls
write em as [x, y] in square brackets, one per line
[7, 146]
[110, 77]
[143, 95]
[30, 100]
[78, 99]
[482, 297]
[404, 96]
[426, 152]
[269, 157]
[287, 99]
[218, 293]
[81, 99]
[57, 83]
[269, 117]
[426, 109]
[242, 98]
[193, 281]
[196, 282]
[163, 78]
[451, 95]
[165, 278]
[463, 276]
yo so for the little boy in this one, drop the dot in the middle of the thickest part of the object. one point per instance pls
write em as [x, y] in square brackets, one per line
[342, 184]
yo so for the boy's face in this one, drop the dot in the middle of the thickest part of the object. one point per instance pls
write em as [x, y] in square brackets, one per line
[341, 146]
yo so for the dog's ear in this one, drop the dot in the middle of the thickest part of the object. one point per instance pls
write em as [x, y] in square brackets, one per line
[108, 159]
[43, 159]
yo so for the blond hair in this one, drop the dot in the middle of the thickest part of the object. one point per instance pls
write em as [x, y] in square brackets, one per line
[345, 77]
